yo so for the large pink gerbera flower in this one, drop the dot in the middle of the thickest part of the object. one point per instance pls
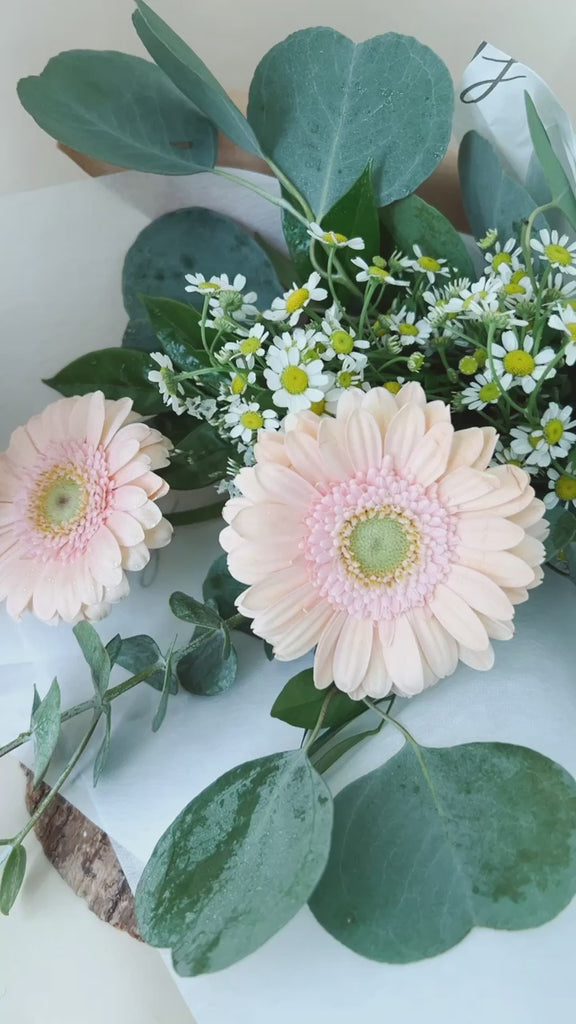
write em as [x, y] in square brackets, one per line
[77, 507]
[382, 538]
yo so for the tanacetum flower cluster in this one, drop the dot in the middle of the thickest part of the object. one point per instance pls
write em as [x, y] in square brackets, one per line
[78, 507]
[382, 538]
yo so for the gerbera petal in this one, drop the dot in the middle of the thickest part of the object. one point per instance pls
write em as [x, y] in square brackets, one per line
[438, 646]
[504, 568]
[428, 461]
[403, 658]
[352, 653]
[458, 618]
[363, 440]
[404, 433]
[479, 591]
[491, 533]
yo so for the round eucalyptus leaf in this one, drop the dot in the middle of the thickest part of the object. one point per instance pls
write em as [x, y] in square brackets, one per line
[439, 840]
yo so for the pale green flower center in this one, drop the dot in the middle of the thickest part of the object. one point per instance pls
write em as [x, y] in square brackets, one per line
[297, 299]
[379, 544]
[378, 272]
[252, 420]
[231, 301]
[571, 328]
[553, 431]
[429, 263]
[489, 392]
[408, 329]
[318, 407]
[566, 488]
[345, 379]
[393, 386]
[333, 238]
[342, 342]
[500, 258]
[59, 501]
[519, 363]
[294, 379]
[558, 254]
[169, 377]
[468, 366]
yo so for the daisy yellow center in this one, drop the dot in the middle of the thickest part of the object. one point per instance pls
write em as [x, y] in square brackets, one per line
[481, 355]
[252, 420]
[297, 299]
[553, 431]
[294, 380]
[209, 286]
[59, 500]
[393, 386]
[408, 329]
[318, 407]
[571, 328]
[333, 238]
[345, 379]
[514, 288]
[342, 342]
[468, 366]
[534, 440]
[249, 346]
[558, 254]
[519, 363]
[500, 258]
[379, 272]
[429, 263]
[238, 384]
[379, 544]
[565, 488]
[489, 392]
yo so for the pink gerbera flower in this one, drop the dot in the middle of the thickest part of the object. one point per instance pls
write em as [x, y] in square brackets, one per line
[382, 538]
[77, 507]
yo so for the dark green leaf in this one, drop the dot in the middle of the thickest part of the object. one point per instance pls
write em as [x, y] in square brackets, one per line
[119, 108]
[190, 610]
[166, 690]
[356, 214]
[45, 730]
[177, 328]
[492, 199]
[285, 269]
[298, 241]
[237, 863]
[118, 372]
[221, 587]
[192, 77]
[269, 651]
[439, 840]
[190, 516]
[299, 704]
[411, 221]
[209, 664]
[113, 647]
[36, 701]
[189, 241]
[200, 459]
[137, 653]
[552, 169]
[562, 531]
[12, 878]
[328, 757]
[323, 106]
[95, 654]
[102, 755]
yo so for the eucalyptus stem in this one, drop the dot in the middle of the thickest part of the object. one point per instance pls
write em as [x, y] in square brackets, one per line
[275, 200]
[306, 209]
[526, 235]
[319, 720]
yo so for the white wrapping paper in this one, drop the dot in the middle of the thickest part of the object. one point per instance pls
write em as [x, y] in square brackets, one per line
[59, 296]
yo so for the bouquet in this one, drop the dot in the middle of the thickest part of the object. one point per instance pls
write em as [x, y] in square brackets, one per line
[386, 412]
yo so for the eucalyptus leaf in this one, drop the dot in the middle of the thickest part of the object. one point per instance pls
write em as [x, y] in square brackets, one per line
[356, 214]
[95, 654]
[552, 169]
[139, 652]
[190, 610]
[437, 841]
[412, 221]
[192, 77]
[322, 106]
[102, 755]
[119, 108]
[332, 754]
[220, 586]
[199, 459]
[45, 730]
[237, 864]
[118, 372]
[562, 531]
[298, 241]
[165, 694]
[113, 647]
[176, 325]
[188, 241]
[209, 664]
[12, 878]
[300, 703]
[492, 199]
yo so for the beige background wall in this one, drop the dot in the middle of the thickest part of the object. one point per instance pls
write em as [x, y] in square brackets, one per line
[232, 36]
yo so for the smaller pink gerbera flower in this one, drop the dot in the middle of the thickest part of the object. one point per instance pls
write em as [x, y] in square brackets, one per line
[77, 507]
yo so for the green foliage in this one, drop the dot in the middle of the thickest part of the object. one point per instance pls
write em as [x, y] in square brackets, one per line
[562, 531]
[552, 169]
[209, 664]
[411, 221]
[95, 655]
[200, 459]
[236, 865]
[192, 77]
[122, 109]
[137, 653]
[177, 328]
[492, 199]
[165, 693]
[326, 758]
[103, 752]
[299, 704]
[439, 840]
[12, 878]
[298, 241]
[222, 589]
[356, 213]
[321, 106]
[190, 610]
[114, 647]
[118, 372]
[45, 726]
[189, 241]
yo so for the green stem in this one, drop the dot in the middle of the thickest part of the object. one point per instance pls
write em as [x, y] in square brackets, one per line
[129, 684]
[78, 709]
[525, 241]
[319, 720]
[550, 366]
[306, 209]
[275, 200]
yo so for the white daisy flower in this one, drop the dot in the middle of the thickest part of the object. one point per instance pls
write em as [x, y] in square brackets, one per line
[237, 384]
[198, 283]
[562, 488]
[415, 362]
[556, 249]
[333, 239]
[337, 340]
[565, 288]
[293, 303]
[201, 408]
[429, 265]
[246, 347]
[410, 330]
[529, 445]
[295, 380]
[552, 440]
[489, 239]
[482, 391]
[245, 419]
[506, 457]
[507, 256]
[376, 271]
[514, 363]
[170, 389]
[565, 320]
[231, 303]
[516, 284]
[350, 376]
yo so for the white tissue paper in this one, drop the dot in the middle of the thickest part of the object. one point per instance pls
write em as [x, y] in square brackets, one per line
[60, 296]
